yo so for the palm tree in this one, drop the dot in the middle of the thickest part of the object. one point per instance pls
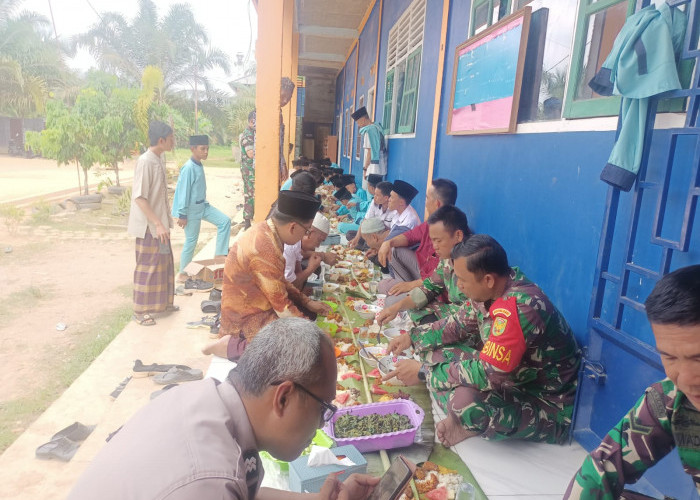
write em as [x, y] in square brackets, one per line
[176, 44]
[32, 66]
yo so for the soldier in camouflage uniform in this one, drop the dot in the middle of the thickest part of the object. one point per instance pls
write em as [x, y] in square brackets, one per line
[504, 366]
[667, 416]
[248, 169]
[438, 295]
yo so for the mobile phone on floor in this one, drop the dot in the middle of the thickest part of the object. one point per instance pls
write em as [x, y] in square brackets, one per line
[393, 481]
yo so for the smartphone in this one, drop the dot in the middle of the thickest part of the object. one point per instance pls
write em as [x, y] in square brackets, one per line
[393, 481]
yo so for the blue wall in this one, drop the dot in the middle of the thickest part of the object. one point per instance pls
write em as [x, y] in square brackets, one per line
[540, 195]
[408, 156]
[365, 78]
[348, 103]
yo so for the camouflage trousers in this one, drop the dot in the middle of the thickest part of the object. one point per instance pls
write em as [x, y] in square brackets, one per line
[504, 414]
[248, 176]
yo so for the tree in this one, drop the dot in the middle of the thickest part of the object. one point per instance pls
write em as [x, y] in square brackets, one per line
[176, 44]
[241, 105]
[31, 63]
[70, 133]
[116, 133]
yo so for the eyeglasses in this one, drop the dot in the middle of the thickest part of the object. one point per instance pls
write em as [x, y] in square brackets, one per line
[307, 229]
[328, 410]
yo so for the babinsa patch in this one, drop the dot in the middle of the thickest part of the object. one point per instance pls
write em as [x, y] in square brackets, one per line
[506, 344]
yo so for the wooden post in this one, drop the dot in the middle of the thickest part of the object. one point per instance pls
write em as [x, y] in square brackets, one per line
[269, 72]
[438, 93]
[287, 32]
[293, 104]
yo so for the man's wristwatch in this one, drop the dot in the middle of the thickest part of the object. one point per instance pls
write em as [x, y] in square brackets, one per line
[423, 373]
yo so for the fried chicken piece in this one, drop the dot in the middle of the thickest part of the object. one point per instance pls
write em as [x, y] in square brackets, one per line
[428, 484]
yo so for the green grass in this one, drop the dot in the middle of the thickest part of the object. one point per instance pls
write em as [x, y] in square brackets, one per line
[219, 156]
[91, 339]
[21, 301]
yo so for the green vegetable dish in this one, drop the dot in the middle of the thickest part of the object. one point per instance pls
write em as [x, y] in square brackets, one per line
[350, 426]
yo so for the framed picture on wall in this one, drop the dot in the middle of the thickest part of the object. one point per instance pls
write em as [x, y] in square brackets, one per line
[486, 78]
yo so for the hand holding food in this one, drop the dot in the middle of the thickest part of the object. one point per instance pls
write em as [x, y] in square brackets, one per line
[399, 344]
[406, 371]
[319, 307]
[386, 315]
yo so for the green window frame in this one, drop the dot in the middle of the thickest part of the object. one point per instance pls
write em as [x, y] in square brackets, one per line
[610, 105]
[598, 106]
[388, 101]
[409, 99]
[503, 11]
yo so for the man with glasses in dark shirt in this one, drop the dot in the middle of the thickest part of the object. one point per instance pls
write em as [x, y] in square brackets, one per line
[201, 440]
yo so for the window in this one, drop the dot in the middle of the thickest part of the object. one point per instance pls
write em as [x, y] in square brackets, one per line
[544, 78]
[555, 80]
[347, 133]
[488, 12]
[597, 27]
[358, 144]
[403, 71]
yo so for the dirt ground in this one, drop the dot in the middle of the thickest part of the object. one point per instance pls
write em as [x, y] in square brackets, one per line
[75, 269]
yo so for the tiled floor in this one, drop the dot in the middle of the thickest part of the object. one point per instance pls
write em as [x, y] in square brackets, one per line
[519, 470]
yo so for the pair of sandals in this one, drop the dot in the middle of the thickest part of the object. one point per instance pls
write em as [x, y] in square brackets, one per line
[64, 443]
[149, 320]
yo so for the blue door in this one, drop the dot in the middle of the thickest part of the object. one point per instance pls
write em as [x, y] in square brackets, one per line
[646, 233]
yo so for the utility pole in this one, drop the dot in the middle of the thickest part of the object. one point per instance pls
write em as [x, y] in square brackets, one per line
[53, 22]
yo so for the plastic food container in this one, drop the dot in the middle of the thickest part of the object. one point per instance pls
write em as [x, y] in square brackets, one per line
[386, 365]
[367, 311]
[377, 351]
[304, 478]
[391, 333]
[386, 441]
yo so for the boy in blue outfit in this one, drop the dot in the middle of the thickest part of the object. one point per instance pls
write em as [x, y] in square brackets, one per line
[190, 205]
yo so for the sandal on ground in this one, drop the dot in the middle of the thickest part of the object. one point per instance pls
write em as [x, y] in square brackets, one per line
[61, 449]
[75, 432]
[141, 370]
[171, 308]
[144, 319]
[177, 375]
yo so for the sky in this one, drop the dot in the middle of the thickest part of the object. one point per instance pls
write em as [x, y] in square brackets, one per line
[226, 22]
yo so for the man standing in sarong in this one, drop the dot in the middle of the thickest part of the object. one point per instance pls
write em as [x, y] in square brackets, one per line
[150, 223]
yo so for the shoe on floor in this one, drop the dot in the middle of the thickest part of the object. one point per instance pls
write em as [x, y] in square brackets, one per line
[157, 393]
[176, 375]
[180, 290]
[211, 306]
[198, 285]
[118, 390]
[61, 449]
[75, 432]
[141, 370]
[215, 294]
[205, 322]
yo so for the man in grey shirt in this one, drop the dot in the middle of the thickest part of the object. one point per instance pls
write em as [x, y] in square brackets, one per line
[201, 440]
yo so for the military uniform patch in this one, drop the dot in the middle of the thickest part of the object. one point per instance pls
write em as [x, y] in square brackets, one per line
[499, 326]
[506, 344]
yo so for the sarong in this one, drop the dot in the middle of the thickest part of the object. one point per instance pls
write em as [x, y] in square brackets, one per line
[154, 276]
